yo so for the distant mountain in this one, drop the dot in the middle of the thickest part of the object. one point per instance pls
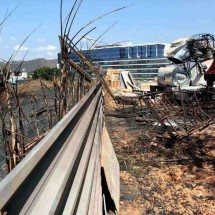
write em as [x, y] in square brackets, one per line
[31, 65]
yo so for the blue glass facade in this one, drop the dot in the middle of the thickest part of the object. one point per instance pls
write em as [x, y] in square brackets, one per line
[123, 53]
[142, 60]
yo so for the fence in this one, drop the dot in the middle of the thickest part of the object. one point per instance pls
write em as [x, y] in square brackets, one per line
[73, 170]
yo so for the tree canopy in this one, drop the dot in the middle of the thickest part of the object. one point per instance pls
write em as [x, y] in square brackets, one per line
[46, 73]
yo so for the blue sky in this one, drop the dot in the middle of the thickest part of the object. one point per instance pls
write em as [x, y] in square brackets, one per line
[146, 21]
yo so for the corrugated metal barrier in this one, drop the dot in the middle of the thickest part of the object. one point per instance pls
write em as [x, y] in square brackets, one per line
[73, 170]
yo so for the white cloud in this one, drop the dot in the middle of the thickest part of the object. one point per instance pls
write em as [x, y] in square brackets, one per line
[47, 52]
[21, 49]
[88, 39]
[39, 56]
[51, 55]
[127, 43]
[46, 55]
[12, 38]
[41, 40]
[19, 56]
[1, 39]
[49, 48]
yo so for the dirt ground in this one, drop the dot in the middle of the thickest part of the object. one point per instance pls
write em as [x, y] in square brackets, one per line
[160, 176]
[163, 176]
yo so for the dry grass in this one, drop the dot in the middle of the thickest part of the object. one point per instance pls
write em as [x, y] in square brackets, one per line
[163, 176]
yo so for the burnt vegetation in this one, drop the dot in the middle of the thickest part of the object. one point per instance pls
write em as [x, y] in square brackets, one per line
[151, 132]
[29, 111]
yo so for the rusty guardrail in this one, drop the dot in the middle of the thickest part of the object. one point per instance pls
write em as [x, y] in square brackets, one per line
[73, 170]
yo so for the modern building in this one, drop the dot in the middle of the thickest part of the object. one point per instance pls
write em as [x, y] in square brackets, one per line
[142, 60]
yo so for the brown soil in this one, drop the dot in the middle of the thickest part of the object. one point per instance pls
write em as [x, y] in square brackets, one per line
[163, 176]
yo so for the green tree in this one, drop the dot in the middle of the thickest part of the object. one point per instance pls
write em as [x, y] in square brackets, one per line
[46, 73]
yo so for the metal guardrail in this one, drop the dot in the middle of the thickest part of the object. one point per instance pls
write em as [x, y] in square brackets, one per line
[63, 173]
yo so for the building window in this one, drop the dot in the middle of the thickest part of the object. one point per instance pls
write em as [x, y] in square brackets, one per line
[133, 52]
[160, 50]
[142, 52]
[123, 53]
[151, 51]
